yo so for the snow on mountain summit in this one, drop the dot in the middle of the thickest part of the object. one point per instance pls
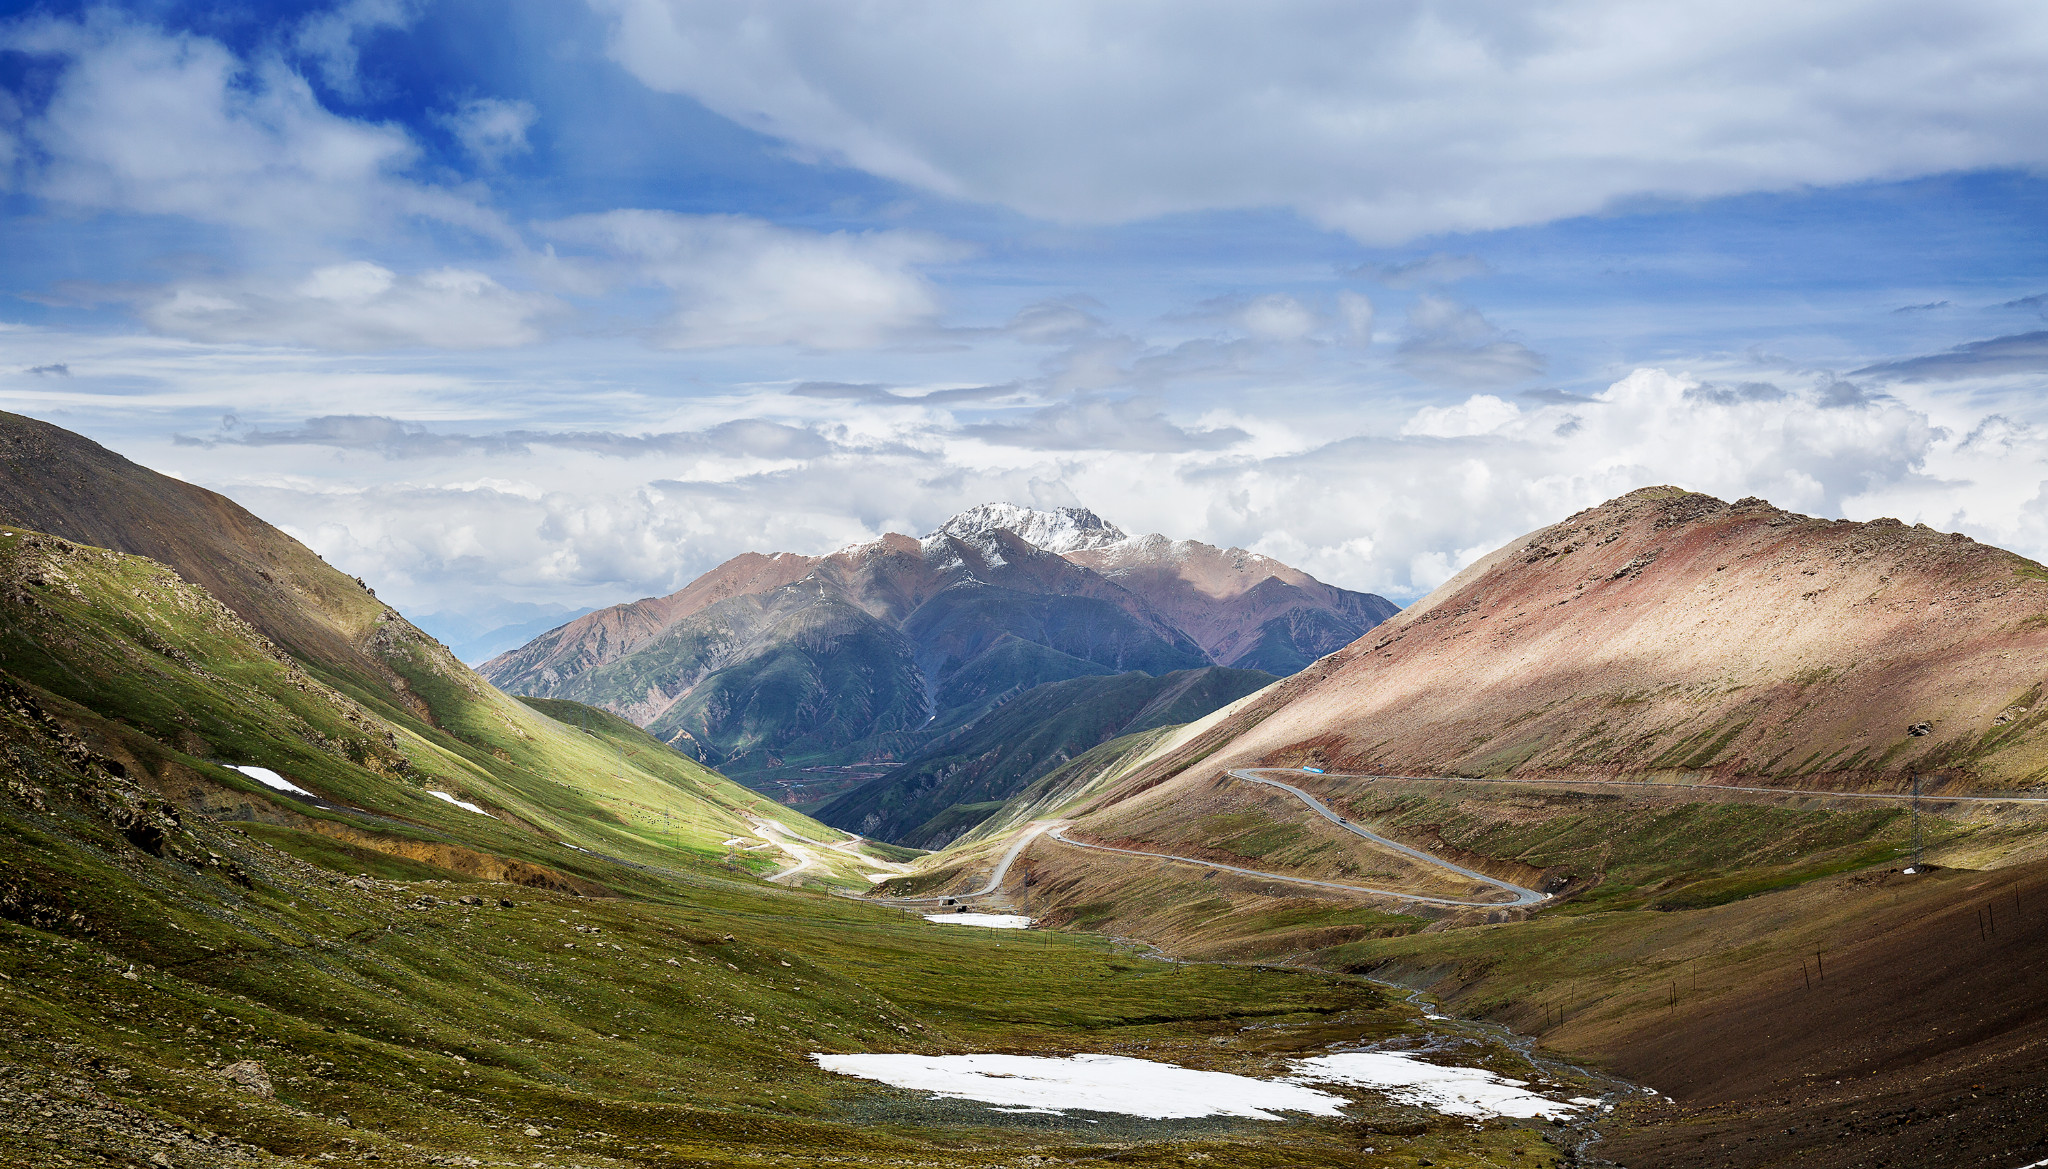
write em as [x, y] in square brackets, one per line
[1061, 530]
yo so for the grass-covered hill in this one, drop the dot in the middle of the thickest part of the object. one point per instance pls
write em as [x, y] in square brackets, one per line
[307, 675]
[203, 992]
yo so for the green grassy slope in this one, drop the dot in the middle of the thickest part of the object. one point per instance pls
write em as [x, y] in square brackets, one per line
[165, 679]
[150, 952]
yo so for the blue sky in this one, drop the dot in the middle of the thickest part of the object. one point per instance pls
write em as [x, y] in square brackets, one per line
[554, 303]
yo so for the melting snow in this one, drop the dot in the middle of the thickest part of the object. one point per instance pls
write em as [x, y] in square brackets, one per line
[1099, 1083]
[465, 805]
[994, 921]
[270, 779]
[1455, 1091]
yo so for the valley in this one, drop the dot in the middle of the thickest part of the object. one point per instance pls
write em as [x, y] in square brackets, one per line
[1609, 851]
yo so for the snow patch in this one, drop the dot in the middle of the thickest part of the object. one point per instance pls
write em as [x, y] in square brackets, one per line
[1098, 1083]
[270, 779]
[994, 921]
[465, 805]
[1472, 1092]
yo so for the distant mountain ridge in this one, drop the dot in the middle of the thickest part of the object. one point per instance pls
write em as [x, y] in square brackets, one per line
[778, 661]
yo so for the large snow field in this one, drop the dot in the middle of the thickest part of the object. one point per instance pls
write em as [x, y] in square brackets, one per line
[1454, 1091]
[271, 779]
[994, 921]
[1164, 1091]
[1100, 1083]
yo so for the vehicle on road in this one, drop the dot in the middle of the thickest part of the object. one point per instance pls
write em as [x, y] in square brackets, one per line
[1313, 770]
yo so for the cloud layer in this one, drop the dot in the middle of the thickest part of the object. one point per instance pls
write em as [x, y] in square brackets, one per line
[1388, 121]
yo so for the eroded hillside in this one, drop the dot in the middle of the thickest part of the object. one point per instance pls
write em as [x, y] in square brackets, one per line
[1667, 632]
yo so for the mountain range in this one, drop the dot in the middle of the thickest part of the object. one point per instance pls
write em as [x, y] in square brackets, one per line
[788, 669]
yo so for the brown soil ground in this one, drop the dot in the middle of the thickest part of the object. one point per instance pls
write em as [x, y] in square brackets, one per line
[1925, 1042]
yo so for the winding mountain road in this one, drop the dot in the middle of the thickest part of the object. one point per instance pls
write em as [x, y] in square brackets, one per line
[1519, 896]
[1642, 786]
[995, 879]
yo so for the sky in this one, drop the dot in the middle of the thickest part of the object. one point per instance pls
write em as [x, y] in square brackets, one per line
[515, 303]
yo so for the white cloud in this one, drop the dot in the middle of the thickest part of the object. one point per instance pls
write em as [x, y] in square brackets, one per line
[1278, 317]
[517, 477]
[329, 38]
[1388, 121]
[493, 129]
[161, 124]
[1356, 312]
[1478, 414]
[743, 281]
[356, 306]
[1450, 344]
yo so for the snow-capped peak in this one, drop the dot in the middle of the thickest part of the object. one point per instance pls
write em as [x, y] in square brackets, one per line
[1061, 530]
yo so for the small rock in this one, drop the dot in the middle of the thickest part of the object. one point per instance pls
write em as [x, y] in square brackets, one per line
[532, 1131]
[343, 1120]
[503, 903]
[249, 1076]
[1918, 729]
[163, 1159]
[429, 899]
[471, 899]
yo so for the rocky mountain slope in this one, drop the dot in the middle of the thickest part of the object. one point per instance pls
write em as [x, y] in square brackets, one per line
[772, 663]
[1668, 633]
[1245, 610]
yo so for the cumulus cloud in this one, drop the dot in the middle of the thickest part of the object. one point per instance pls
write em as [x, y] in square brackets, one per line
[1385, 120]
[1451, 344]
[1401, 514]
[743, 281]
[356, 306]
[140, 120]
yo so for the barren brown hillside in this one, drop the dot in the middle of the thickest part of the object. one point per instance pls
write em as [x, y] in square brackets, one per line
[1667, 632]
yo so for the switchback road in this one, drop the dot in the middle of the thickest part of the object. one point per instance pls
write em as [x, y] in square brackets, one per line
[1518, 895]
